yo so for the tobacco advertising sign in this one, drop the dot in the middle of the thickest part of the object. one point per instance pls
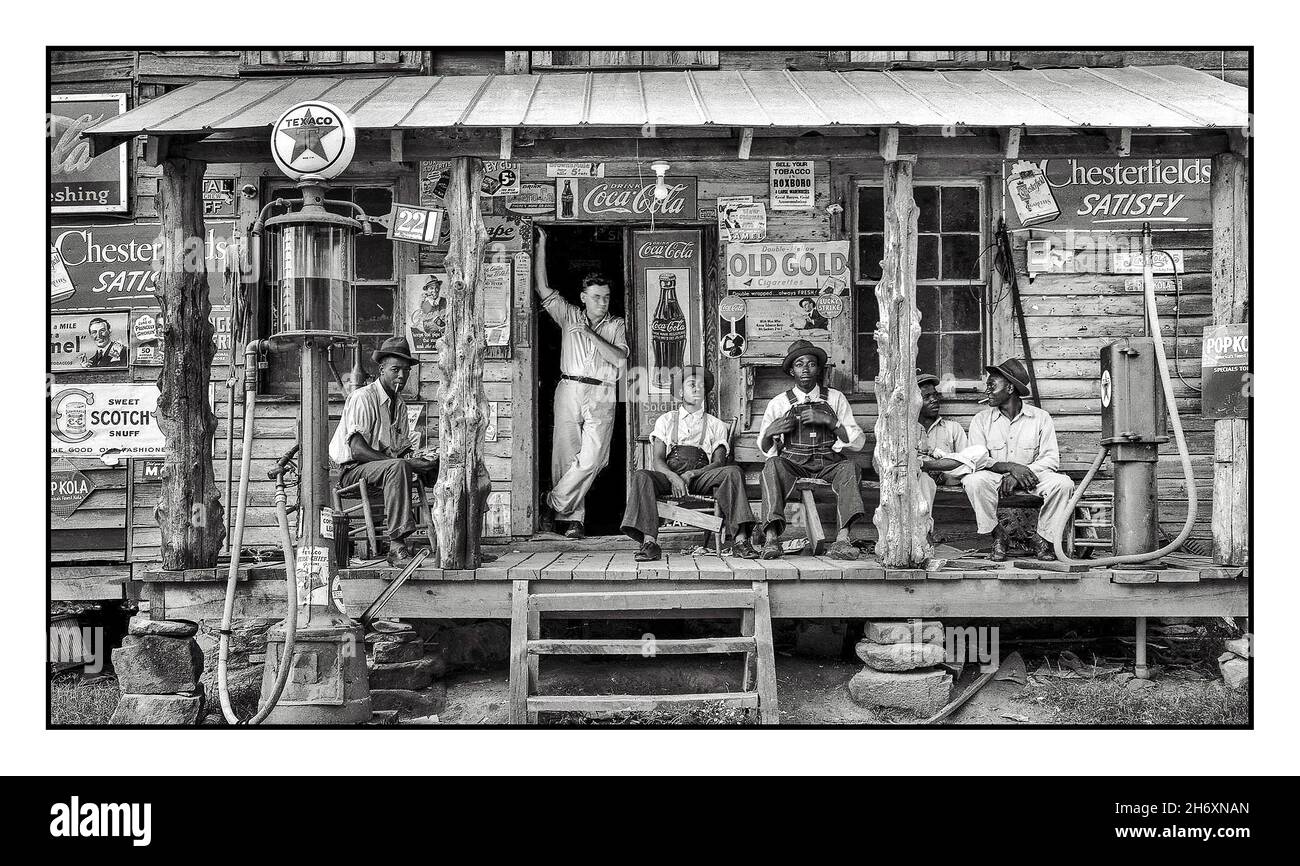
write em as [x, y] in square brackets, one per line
[1108, 194]
[93, 419]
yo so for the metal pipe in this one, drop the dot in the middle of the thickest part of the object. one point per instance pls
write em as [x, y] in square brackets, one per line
[1140, 669]
[291, 602]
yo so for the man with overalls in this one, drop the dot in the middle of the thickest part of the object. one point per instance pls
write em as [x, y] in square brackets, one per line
[592, 354]
[804, 434]
[689, 454]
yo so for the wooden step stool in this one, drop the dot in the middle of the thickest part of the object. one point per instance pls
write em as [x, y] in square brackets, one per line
[527, 647]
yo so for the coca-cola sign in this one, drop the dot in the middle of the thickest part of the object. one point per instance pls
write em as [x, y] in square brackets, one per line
[80, 183]
[625, 199]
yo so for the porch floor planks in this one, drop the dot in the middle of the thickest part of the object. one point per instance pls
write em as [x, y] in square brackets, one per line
[681, 566]
[778, 569]
[818, 568]
[622, 566]
[593, 566]
[532, 567]
[562, 567]
[499, 569]
[713, 567]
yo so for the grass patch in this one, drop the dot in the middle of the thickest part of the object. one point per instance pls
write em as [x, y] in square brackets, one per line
[1171, 703]
[74, 702]
[709, 714]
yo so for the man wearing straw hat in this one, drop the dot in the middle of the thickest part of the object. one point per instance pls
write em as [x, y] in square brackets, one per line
[1017, 450]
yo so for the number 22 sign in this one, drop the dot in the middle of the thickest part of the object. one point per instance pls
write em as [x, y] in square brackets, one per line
[414, 224]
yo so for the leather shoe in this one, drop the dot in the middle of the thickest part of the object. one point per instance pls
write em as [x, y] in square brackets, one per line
[1044, 549]
[399, 555]
[771, 550]
[743, 549]
[999, 551]
[575, 530]
[649, 552]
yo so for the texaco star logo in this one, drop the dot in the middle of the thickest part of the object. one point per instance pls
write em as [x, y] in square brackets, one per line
[313, 138]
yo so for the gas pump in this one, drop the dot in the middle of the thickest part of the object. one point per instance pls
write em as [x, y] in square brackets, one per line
[1136, 391]
[315, 669]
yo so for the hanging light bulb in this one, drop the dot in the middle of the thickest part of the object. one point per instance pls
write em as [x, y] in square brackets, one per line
[660, 168]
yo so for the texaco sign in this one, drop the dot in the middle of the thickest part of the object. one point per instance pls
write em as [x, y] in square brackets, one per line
[313, 139]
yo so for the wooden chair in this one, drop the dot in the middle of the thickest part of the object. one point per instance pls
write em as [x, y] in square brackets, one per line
[372, 511]
[700, 512]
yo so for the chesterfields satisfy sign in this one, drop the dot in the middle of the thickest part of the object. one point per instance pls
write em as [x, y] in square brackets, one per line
[624, 199]
[1120, 194]
[112, 266]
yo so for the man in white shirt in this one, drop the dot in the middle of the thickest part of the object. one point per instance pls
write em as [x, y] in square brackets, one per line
[592, 355]
[945, 457]
[374, 438]
[1017, 451]
[804, 434]
[689, 454]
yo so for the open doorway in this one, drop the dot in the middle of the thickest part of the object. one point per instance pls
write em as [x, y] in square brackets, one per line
[571, 253]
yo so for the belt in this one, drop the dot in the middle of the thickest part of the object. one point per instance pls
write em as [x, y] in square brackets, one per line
[587, 380]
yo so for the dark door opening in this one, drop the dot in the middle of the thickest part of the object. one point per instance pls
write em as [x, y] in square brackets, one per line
[571, 253]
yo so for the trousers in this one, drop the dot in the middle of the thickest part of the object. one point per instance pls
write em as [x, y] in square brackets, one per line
[584, 426]
[780, 474]
[395, 478]
[725, 483]
[982, 488]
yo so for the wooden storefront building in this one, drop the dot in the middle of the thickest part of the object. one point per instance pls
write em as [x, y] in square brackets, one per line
[583, 128]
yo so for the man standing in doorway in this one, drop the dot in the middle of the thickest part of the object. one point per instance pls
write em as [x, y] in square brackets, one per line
[1017, 451]
[592, 355]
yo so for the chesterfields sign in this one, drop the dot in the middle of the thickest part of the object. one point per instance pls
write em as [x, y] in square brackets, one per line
[112, 266]
[624, 199]
[1121, 194]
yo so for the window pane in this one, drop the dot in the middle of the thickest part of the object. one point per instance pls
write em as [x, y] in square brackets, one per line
[871, 209]
[868, 360]
[927, 199]
[961, 257]
[927, 257]
[961, 209]
[868, 310]
[871, 249]
[375, 201]
[962, 355]
[961, 308]
[374, 257]
[374, 310]
[927, 354]
[927, 301]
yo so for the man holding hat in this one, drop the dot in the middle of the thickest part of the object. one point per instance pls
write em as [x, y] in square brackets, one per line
[689, 454]
[945, 457]
[1017, 445]
[373, 439]
[804, 434]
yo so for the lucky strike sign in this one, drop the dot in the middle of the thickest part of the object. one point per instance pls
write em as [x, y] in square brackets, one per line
[624, 199]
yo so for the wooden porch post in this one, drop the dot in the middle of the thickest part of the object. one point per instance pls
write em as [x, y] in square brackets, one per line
[900, 519]
[1231, 285]
[462, 423]
[189, 510]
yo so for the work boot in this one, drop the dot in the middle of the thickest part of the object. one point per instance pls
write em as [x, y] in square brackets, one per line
[649, 552]
[999, 551]
[1044, 549]
[575, 530]
[399, 555]
[743, 549]
[547, 517]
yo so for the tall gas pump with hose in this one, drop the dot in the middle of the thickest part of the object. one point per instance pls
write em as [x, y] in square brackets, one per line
[1137, 394]
[315, 669]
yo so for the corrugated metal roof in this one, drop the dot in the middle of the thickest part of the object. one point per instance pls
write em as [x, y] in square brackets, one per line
[1148, 97]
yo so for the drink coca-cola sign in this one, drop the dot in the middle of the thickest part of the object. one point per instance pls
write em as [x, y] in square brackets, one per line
[667, 269]
[80, 183]
[625, 199]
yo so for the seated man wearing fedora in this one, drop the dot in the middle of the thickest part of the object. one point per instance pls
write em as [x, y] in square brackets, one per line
[1015, 443]
[804, 433]
[689, 454]
[373, 440]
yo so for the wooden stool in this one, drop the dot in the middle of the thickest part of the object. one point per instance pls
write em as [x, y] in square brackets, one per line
[807, 489]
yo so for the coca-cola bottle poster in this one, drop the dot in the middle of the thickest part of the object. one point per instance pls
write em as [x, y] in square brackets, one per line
[669, 312]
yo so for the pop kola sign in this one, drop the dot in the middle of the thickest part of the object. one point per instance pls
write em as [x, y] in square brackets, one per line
[313, 139]
[1109, 194]
[624, 199]
[794, 268]
[69, 487]
[93, 419]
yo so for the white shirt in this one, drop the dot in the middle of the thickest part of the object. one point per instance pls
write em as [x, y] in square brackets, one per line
[368, 412]
[578, 353]
[780, 404]
[690, 425]
[1029, 438]
[946, 439]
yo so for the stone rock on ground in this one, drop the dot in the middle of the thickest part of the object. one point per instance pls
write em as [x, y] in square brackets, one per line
[899, 656]
[390, 651]
[900, 631]
[475, 645]
[156, 665]
[819, 638]
[158, 710]
[1236, 671]
[1140, 685]
[141, 624]
[922, 692]
[1239, 647]
[407, 675]
[245, 688]
[410, 704]
[247, 636]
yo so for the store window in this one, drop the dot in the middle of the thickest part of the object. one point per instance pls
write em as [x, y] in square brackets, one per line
[374, 296]
[950, 278]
